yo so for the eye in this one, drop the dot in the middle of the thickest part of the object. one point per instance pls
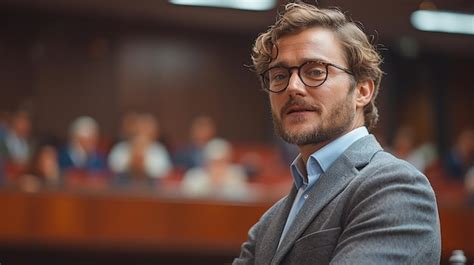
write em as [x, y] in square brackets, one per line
[314, 71]
[277, 74]
[278, 77]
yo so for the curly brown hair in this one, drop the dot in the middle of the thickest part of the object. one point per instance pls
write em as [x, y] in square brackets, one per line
[361, 56]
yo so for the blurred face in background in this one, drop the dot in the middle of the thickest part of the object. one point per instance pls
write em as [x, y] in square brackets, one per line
[465, 146]
[202, 130]
[88, 140]
[128, 126]
[21, 124]
[404, 141]
[47, 163]
[84, 133]
[146, 127]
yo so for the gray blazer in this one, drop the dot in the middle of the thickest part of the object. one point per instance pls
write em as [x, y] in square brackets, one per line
[368, 208]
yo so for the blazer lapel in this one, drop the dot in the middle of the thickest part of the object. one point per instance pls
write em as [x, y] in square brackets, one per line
[329, 185]
[269, 242]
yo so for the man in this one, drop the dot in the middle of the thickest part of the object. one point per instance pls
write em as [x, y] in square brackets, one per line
[141, 158]
[81, 153]
[15, 144]
[351, 203]
[203, 130]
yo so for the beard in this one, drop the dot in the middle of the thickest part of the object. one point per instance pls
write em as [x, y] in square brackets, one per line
[338, 122]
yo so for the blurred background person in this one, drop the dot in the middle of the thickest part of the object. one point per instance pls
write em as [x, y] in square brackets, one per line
[15, 146]
[288, 152]
[42, 170]
[3, 123]
[2, 171]
[128, 125]
[404, 146]
[403, 143]
[218, 176]
[461, 156]
[202, 131]
[3, 131]
[141, 158]
[469, 185]
[81, 159]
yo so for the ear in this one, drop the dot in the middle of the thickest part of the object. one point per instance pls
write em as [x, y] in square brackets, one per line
[364, 92]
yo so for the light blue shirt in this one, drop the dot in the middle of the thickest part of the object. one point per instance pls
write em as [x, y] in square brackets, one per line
[318, 163]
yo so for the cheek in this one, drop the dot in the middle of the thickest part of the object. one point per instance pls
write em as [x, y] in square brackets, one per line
[331, 95]
[275, 104]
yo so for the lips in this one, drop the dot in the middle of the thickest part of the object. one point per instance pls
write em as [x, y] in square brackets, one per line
[297, 106]
[295, 109]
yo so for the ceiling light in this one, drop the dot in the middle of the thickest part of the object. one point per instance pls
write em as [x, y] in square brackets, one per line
[254, 5]
[442, 21]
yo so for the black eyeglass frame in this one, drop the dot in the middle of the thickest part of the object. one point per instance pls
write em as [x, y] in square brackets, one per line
[266, 86]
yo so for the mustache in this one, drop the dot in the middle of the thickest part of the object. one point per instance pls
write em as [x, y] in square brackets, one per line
[292, 102]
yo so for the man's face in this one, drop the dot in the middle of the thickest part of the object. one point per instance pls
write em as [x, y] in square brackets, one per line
[313, 115]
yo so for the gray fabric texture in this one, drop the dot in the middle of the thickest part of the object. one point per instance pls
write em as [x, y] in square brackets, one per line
[368, 208]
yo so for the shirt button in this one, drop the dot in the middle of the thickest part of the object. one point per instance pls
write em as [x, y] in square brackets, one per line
[306, 196]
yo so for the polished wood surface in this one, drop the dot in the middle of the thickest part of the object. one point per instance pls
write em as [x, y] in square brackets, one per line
[164, 223]
[457, 230]
[126, 220]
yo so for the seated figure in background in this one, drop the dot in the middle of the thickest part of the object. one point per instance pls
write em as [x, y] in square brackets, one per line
[2, 172]
[218, 176]
[43, 169]
[127, 125]
[3, 124]
[15, 145]
[141, 158]
[403, 143]
[461, 156]
[203, 130]
[3, 131]
[81, 158]
[469, 185]
[404, 147]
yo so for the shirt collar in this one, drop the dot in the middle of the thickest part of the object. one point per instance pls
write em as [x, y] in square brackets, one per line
[321, 160]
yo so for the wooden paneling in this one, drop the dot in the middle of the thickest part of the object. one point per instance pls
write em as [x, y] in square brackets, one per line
[64, 67]
[456, 230]
[136, 221]
[162, 224]
[67, 67]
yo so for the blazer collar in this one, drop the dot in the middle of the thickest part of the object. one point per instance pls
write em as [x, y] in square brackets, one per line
[272, 236]
[330, 183]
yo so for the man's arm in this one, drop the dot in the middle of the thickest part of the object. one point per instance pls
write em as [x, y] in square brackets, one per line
[247, 250]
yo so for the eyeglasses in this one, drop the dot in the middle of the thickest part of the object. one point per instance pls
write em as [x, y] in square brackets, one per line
[312, 74]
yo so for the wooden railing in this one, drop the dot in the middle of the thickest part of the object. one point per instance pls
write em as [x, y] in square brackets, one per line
[131, 220]
[164, 223]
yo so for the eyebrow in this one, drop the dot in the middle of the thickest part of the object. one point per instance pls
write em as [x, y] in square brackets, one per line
[305, 60]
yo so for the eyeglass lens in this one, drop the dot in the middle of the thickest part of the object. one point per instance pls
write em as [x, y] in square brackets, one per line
[312, 74]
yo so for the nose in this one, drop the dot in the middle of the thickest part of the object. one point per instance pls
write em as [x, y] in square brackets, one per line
[295, 85]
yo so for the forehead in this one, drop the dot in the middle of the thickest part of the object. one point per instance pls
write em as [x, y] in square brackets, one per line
[310, 44]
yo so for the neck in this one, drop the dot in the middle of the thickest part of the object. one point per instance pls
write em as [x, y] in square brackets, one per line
[307, 150]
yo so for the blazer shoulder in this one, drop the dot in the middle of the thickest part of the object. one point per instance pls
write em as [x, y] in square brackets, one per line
[389, 207]
[385, 170]
[383, 162]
